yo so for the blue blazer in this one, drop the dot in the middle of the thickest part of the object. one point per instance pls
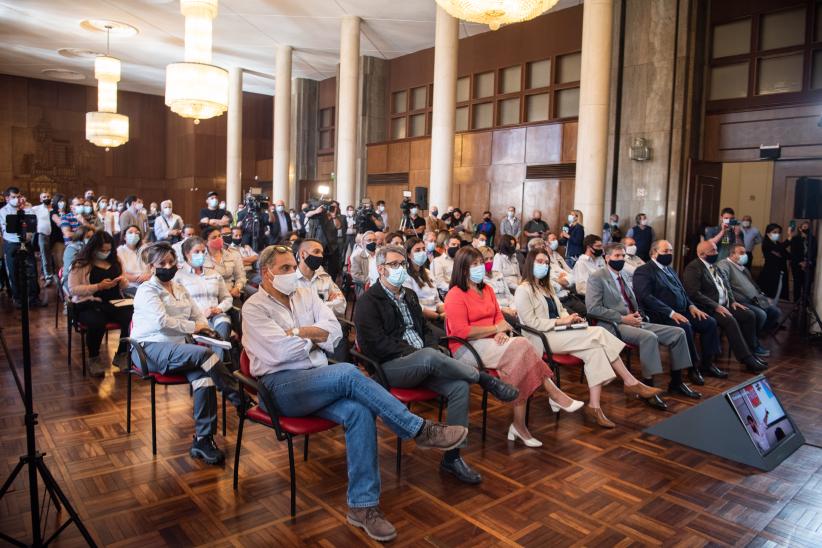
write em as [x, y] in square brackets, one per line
[658, 294]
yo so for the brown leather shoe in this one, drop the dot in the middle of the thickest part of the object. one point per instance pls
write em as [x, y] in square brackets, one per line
[373, 522]
[641, 391]
[440, 436]
[595, 414]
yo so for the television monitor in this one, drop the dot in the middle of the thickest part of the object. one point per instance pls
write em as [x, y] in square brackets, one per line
[759, 410]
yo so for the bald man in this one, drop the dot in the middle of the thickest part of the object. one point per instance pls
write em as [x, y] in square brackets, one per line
[709, 288]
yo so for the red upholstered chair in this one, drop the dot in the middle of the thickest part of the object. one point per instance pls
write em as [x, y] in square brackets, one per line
[407, 396]
[284, 427]
[74, 325]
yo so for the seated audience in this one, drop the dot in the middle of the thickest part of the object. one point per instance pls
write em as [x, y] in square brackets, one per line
[363, 263]
[311, 275]
[207, 290]
[392, 331]
[573, 236]
[505, 261]
[611, 301]
[632, 260]
[395, 239]
[165, 317]
[562, 278]
[487, 228]
[473, 314]
[420, 281]
[246, 252]
[73, 248]
[430, 241]
[540, 309]
[224, 261]
[497, 282]
[287, 331]
[168, 226]
[443, 265]
[134, 270]
[711, 291]
[95, 281]
[663, 298]
[746, 291]
[588, 263]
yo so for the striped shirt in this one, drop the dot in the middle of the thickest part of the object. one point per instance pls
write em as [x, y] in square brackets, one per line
[70, 221]
[410, 335]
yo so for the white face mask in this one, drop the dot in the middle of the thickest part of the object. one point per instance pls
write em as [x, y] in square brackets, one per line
[414, 211]
[285, 283]
[510, 214]
[572, 218]
[746, 224]
[553, 244]
[167, 211]
[212, 202]
[13, 202]
[630, 250]
[380, 208]
[643, 222]
[222, 205]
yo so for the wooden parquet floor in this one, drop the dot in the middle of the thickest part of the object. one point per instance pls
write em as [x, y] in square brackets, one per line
[585, 487]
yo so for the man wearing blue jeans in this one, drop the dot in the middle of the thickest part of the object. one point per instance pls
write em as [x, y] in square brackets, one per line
[287, 332]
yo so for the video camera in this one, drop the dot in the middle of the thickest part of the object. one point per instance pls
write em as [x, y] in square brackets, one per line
[21, 224]
[364, 215]
[406, 206]
[327, 205]
[257, 202]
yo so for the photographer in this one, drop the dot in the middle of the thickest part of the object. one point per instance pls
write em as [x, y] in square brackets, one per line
[726, 234]
[322, 224]
[254, 219]
[11, 244]
[367, 218]
[412, 224]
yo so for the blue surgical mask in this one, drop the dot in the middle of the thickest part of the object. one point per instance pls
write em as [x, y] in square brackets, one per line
[541, 270]
[87, 210]
[430, 247]
[397, 276]
[419, 257]
[132, 238]
[743, 260]
[553, 244]
[477, 273]
[197, 259]
[102, 255]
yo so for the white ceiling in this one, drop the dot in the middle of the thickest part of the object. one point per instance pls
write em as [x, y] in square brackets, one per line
[245, 35]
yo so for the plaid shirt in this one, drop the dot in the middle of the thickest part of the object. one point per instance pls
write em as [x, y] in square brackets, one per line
[411, 336]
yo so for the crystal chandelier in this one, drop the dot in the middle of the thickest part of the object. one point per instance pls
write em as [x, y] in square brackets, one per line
[106, 128]
[195, 88]
[496, 13]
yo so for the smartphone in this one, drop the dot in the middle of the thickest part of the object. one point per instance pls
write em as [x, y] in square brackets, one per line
[792, 224]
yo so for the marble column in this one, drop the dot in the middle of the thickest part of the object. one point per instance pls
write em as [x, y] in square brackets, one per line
[592, 134]
[234, 140]
[347, 101]
[446, 44]
[282, 124]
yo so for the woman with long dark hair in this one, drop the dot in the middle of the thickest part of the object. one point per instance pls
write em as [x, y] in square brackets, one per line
[538, 307]
[474, 314]
[776, 252]
[95, 281]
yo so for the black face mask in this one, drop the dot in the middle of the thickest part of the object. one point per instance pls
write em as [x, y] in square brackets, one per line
[371, 247]
[236, 241]
[665, 260]
[313, 262]
[597, 252]
[305, 210]
[165, 274]
[452, 251]
[227, 238]
[507, 249]
[617, 265]
[711, 259]
[47, 201]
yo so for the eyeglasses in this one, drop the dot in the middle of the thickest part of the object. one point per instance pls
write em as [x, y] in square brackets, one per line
[396, 264]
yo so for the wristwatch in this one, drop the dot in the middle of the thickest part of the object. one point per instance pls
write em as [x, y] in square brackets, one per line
[295, 332]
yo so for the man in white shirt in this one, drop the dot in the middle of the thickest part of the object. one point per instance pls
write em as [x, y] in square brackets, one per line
[311, 275]
[43, 213]
[632, 260]
[168, 225]
[589, 262]
[442, 266]
[287, 331]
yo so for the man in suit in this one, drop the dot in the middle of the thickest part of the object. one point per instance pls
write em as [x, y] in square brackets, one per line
[611, 300]
[663, 299]
[745, 291]
[280, 223]
[710, 290]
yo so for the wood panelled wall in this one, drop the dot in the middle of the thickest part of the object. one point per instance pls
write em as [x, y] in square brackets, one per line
[489, 171]
[43, 146]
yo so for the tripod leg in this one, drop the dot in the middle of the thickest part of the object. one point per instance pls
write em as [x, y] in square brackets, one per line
[54, 488]
[11, 478]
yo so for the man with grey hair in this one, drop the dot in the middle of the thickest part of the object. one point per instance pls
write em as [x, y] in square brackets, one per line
[168, 226]
[391, 330]
[611, 300]
[287, 331]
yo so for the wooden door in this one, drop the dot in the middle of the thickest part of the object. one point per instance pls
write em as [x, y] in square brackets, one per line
[702, 205]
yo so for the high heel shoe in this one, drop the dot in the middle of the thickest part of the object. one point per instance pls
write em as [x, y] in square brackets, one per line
[575, 405]
[530, 442]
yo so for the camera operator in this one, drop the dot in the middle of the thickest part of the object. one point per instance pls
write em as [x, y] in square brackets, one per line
[367, 218]
[254, 219]
[412, 225]
[15, 204]
[322, 224]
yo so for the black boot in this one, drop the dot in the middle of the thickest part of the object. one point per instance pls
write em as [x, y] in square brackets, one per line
[503, 391]
[205, 448]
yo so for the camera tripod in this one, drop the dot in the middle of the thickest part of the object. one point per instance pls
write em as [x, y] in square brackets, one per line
[33, 459]
[804, 307]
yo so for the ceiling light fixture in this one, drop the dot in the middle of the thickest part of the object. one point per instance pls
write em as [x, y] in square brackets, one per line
[113, 28]
[63, 74]
[496, 13]
[106, 128]
[195, 88]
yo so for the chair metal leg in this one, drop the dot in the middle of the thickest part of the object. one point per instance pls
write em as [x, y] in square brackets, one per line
[224, 424]
[237, 451]
[68, 335]
[399, 455]
[83, 350]
[305, 449]
[153, 419]
[293, 476]
[527, 410]
[128, 403]
[484, 413]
